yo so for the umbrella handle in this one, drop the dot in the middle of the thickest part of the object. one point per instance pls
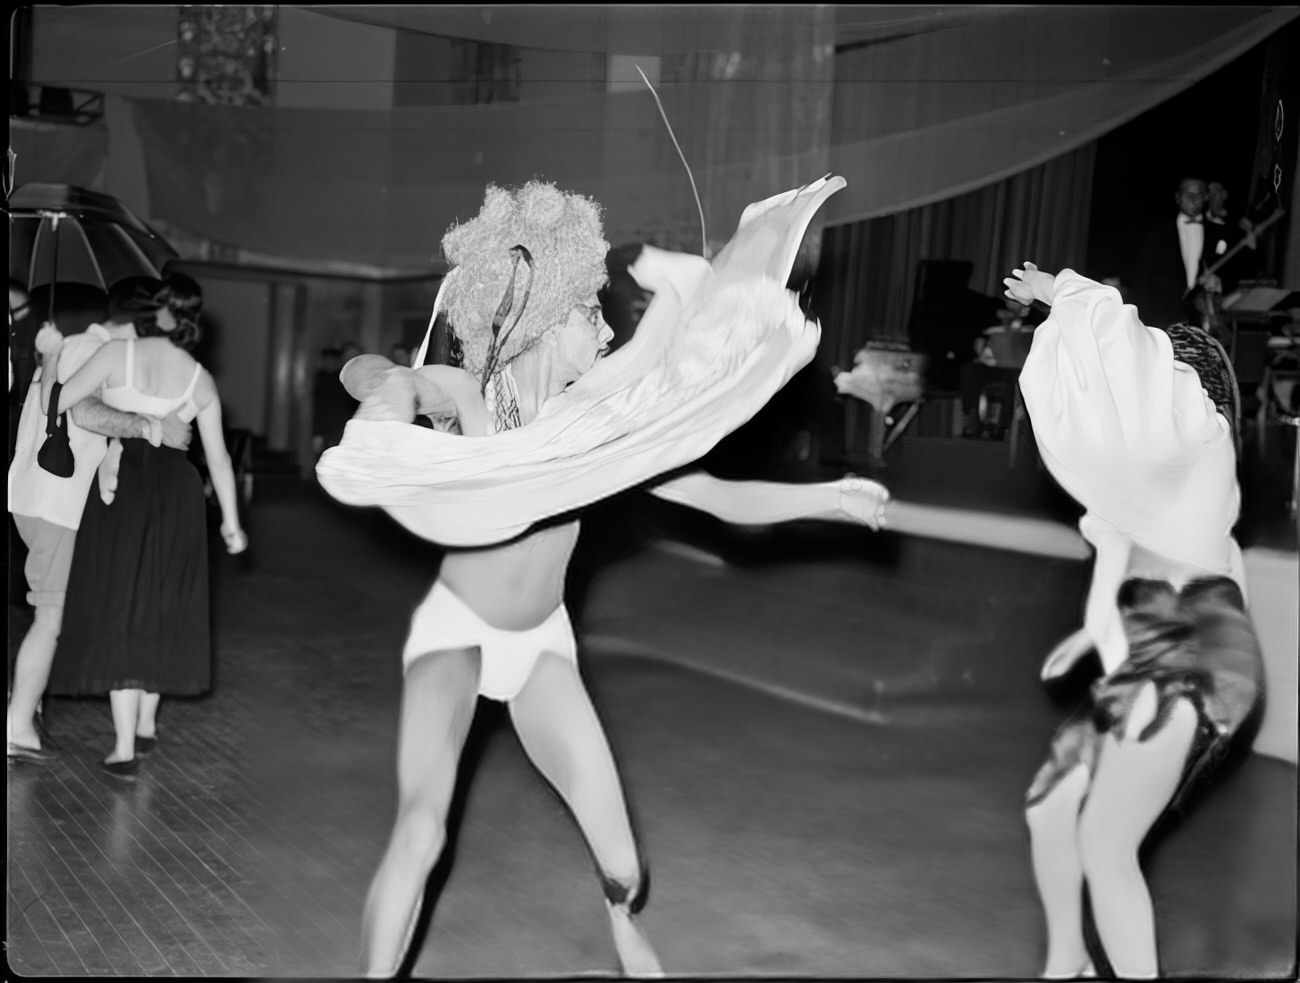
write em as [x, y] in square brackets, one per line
[54, 269]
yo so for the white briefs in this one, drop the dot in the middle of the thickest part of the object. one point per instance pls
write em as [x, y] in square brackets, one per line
[443, 621]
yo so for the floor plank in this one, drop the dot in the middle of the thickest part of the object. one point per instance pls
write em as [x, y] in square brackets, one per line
[813, 838]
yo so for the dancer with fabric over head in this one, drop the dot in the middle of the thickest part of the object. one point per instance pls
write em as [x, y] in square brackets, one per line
[1141, 426]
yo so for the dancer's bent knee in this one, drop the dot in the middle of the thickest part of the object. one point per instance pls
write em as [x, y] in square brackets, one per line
[631, 893]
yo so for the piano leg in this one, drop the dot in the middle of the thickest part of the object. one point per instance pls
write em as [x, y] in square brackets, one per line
[876, 439]
[901, 425]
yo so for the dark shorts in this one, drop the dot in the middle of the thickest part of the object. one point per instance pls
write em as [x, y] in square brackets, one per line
[1198, 645]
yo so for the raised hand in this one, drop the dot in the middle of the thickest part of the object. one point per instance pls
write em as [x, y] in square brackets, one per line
[1030, 284]
[864, 500]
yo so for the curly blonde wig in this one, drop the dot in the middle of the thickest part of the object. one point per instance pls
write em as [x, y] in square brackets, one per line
[564, 236]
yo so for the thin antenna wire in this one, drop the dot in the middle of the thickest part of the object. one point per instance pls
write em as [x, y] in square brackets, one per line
[703, 235]
[140, 54]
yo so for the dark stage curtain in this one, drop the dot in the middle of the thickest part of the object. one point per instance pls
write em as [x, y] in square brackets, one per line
[866, 283]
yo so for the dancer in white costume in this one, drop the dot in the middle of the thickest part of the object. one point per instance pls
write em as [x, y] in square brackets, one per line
[535, 426]
[1140, 426]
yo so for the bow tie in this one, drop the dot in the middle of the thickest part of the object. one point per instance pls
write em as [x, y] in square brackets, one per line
[1189, 220]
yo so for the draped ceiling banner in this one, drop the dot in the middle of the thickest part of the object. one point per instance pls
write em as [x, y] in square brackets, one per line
[911, 104]
[752, 116]
[931, 115]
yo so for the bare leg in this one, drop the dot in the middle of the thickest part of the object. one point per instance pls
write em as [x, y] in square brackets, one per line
[1133, 785]
[564, 739]
[125, 704]
[147, 723]
[1058, 872]
[31, 673]
[439, 695]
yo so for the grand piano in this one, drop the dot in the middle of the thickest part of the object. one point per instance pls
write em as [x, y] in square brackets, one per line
[947, 318]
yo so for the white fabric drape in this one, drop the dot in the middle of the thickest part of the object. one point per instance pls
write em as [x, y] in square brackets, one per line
[717, 341]
[1130, 433]
[915, 107]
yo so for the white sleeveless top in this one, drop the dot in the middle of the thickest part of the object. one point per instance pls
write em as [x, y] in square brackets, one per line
[130, 400]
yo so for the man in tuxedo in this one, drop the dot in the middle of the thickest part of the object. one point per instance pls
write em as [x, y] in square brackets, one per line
[1170, 273]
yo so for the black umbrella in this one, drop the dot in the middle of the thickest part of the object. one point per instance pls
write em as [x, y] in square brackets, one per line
[59, 233]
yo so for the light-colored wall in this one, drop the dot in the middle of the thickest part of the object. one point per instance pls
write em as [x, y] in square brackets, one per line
[325, 62]
[329, 63]
[239, 312]
[133, 52]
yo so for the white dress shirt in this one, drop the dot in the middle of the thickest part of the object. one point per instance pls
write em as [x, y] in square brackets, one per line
[33, 491]
[1191, 237]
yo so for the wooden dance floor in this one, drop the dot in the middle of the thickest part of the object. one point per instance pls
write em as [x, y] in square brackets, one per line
[825, 737]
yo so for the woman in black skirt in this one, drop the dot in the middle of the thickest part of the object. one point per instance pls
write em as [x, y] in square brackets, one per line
[136, 622]
[1141, 426]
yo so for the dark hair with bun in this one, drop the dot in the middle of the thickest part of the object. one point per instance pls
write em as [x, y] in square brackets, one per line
[184, 298]
[184, 295]
[138, 300]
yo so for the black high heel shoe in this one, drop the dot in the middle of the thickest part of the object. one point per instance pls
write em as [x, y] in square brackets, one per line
[121, 769]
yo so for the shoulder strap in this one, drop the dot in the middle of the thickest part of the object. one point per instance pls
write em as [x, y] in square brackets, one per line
[52, 421]
[194, 381]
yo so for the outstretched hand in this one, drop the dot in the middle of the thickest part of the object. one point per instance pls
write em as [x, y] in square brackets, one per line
[1030, 284]
[864, 500]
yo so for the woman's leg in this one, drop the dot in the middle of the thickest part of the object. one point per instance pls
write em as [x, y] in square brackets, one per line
[439, 695]
[147, 723]
[125, 705]
[1133, 784]
[559, 730]
[1058, 872]
[31, 673]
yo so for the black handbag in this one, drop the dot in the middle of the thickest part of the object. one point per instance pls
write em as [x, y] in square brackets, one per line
[55, 455]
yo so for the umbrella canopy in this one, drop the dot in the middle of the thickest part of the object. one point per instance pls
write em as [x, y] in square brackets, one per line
[62, 234]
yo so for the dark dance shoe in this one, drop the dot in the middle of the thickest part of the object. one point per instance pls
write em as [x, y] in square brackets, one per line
[121, 769]
[145, 746]
[34, 755]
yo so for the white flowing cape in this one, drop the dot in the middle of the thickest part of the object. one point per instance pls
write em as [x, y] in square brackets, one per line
[716, 342]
